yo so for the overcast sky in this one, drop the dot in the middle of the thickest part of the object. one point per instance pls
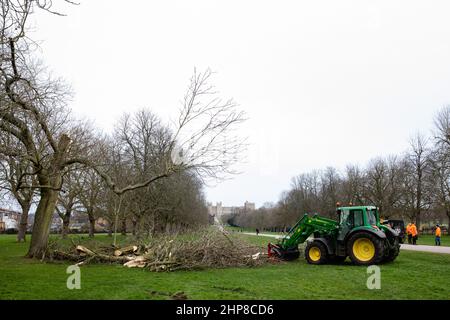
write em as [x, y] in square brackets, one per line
[323, 83]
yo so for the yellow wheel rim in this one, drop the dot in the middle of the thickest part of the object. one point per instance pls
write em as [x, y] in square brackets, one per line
[363, 249]
[314, 253]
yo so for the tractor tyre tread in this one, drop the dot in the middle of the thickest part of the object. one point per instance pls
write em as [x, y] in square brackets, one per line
[377, 242]
[392, 255]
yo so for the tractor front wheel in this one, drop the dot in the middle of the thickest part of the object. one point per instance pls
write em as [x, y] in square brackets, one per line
[365, 249]
[316, 253]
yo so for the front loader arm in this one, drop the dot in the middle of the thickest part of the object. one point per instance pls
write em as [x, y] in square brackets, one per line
[306, 226]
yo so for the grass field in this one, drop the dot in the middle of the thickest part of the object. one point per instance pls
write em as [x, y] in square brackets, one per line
[414, 275]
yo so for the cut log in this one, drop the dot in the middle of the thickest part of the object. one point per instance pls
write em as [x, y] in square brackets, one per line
[125, 250]
[138, 262]
[83, 251]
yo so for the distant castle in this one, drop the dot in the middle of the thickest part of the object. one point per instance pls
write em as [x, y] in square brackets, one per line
[219, 210]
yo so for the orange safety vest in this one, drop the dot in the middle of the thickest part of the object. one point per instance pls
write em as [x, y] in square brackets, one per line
[413, 230]
[408, 229]
[438, 232]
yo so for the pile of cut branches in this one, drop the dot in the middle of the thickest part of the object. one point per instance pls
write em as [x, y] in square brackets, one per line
[208, 249]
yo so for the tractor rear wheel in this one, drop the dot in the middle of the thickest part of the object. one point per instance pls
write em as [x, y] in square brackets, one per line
[365, 249]
[316, 253]
[393, 253]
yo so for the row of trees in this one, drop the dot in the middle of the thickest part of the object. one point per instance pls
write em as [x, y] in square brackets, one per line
[414, 185]
[145, 171]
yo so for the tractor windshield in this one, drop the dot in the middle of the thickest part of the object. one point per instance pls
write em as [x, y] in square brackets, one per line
[371, 217]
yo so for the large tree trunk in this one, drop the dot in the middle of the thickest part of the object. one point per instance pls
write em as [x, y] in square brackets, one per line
[448, 215]
[418, 219]
[134, 222]
[124, 227]
[42, 223]
[51, 181]
[23, 224]
[66, 223]
[91, 225]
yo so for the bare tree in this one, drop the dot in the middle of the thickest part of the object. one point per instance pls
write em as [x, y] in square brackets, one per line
[33, 112]
[417, 162]
[204, 137]
[16, 177]
[440, 177]
[68, 200]
[442, 127]
[143, 149]
[353, 185]
[306, 192]
[440, 162]
[382, 184]
[331, 191]
[92, 190]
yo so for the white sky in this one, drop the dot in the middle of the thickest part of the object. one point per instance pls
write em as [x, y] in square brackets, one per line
[324, 83]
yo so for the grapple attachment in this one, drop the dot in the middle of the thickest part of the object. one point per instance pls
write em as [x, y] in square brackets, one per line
[274, 250]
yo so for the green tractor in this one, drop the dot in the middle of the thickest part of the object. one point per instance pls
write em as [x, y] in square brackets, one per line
[358, 235]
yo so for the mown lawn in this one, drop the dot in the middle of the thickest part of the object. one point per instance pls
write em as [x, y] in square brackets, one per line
[250, 230]
[414, 275]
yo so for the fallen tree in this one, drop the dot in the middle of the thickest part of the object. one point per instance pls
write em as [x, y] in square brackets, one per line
[207, 249]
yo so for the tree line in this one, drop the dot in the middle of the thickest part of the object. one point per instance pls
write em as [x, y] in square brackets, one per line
[145, 172]
[414, 186]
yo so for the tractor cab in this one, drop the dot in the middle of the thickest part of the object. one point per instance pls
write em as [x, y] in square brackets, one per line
[350, 218]
[354, 217]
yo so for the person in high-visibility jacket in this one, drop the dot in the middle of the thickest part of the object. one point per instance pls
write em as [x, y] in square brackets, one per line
[414, 233]
[408, 232]
[437, 233]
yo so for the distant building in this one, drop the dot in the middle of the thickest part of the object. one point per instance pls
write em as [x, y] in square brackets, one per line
[249, 206]
[9, 219]
[55, 224]
[79, 221]
[219, 210]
